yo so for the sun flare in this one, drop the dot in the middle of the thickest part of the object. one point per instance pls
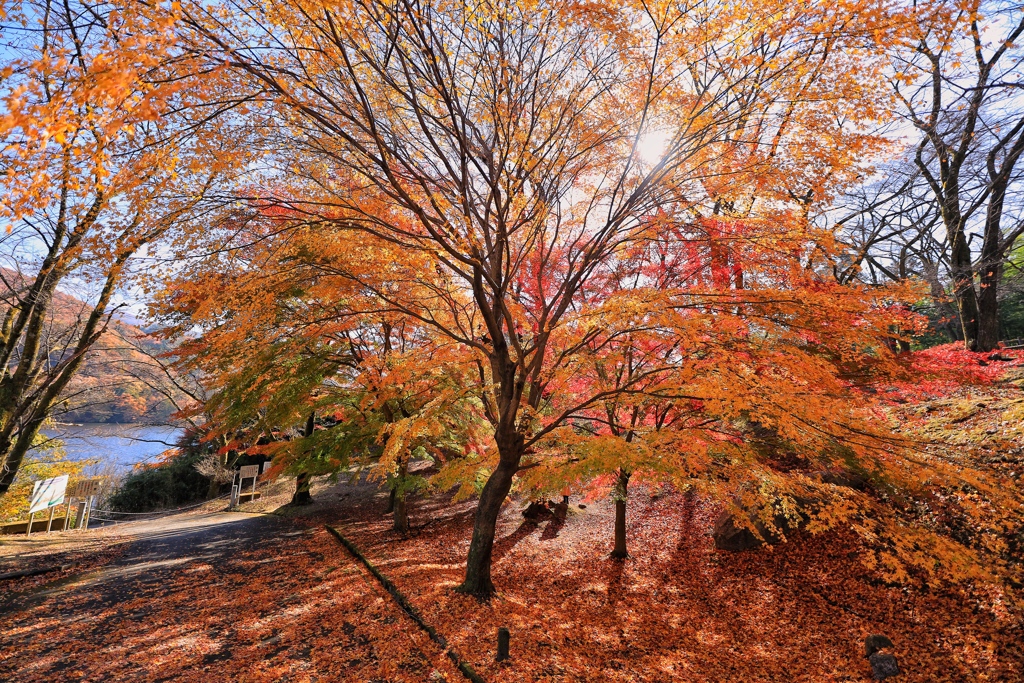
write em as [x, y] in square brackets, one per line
[652, 146]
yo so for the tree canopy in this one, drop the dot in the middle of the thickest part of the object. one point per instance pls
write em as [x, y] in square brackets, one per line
[547, 245]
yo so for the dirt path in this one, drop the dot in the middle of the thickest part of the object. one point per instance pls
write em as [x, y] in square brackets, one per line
[224, 596]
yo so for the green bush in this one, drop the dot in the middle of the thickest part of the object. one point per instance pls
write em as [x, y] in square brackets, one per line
[173, 483]
[1011, 316]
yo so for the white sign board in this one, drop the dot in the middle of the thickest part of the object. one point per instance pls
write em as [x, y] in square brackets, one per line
[48, 493]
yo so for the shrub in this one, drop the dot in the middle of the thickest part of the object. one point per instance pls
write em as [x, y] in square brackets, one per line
[172, 483]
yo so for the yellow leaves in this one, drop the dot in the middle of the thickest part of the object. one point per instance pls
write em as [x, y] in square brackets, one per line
[42, 463]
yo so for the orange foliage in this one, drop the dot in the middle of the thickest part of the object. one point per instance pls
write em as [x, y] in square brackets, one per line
[518, 292]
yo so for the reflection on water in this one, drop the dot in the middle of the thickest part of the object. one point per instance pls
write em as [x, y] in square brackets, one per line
[114, 445]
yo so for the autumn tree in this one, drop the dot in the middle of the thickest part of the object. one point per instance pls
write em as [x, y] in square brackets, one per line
[103, 155]
[766, 189]
[46, 460]
[501, 144]
[281, 331]
[955, 79]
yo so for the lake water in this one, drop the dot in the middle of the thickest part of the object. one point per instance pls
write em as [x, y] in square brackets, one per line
[118, 446]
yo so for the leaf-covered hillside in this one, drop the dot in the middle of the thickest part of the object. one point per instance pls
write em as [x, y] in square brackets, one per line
[120, 380]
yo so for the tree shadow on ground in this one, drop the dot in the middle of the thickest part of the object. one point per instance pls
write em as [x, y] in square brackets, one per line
[559, 514]
[503, 545]
[258, 600]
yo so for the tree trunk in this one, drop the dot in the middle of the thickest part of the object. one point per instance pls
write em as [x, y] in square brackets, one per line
[621, 496]
[302, 495]
[947, 191]
[401, 518]
[478, 564]
[988, 309]
[391, 502]
[22, 408]
[401, 521]
[963, 290]
[990, 269]
[15, 452]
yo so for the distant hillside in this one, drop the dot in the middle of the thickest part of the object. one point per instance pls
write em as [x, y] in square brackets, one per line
[116, 383]
[120, 380]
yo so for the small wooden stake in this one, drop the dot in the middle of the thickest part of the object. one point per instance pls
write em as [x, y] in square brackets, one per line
[88, 512]
[80, 515]
[503, 638]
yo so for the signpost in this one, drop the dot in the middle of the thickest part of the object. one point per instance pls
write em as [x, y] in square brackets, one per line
[84, 489]
[88, 514]
[244, 472]
[247, 472]
[80, 516]
[46, 495]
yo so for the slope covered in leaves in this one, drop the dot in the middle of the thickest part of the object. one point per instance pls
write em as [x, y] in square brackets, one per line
[294, 605]
[678, 609]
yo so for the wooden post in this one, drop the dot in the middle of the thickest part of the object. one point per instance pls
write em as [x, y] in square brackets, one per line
[80, 516]
[88, 512]
[67, 515]
[503, 638]
[31, 518]
[50, 522]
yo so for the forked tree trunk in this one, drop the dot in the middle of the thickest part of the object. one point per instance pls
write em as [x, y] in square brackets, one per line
[993, 249]
[621, 496]
[478, 564]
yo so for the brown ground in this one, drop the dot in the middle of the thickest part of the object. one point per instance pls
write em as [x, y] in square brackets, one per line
[223, 597]
[677, 609]
[278, 599]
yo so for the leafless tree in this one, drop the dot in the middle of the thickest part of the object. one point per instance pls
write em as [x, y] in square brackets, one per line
[959, 82]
